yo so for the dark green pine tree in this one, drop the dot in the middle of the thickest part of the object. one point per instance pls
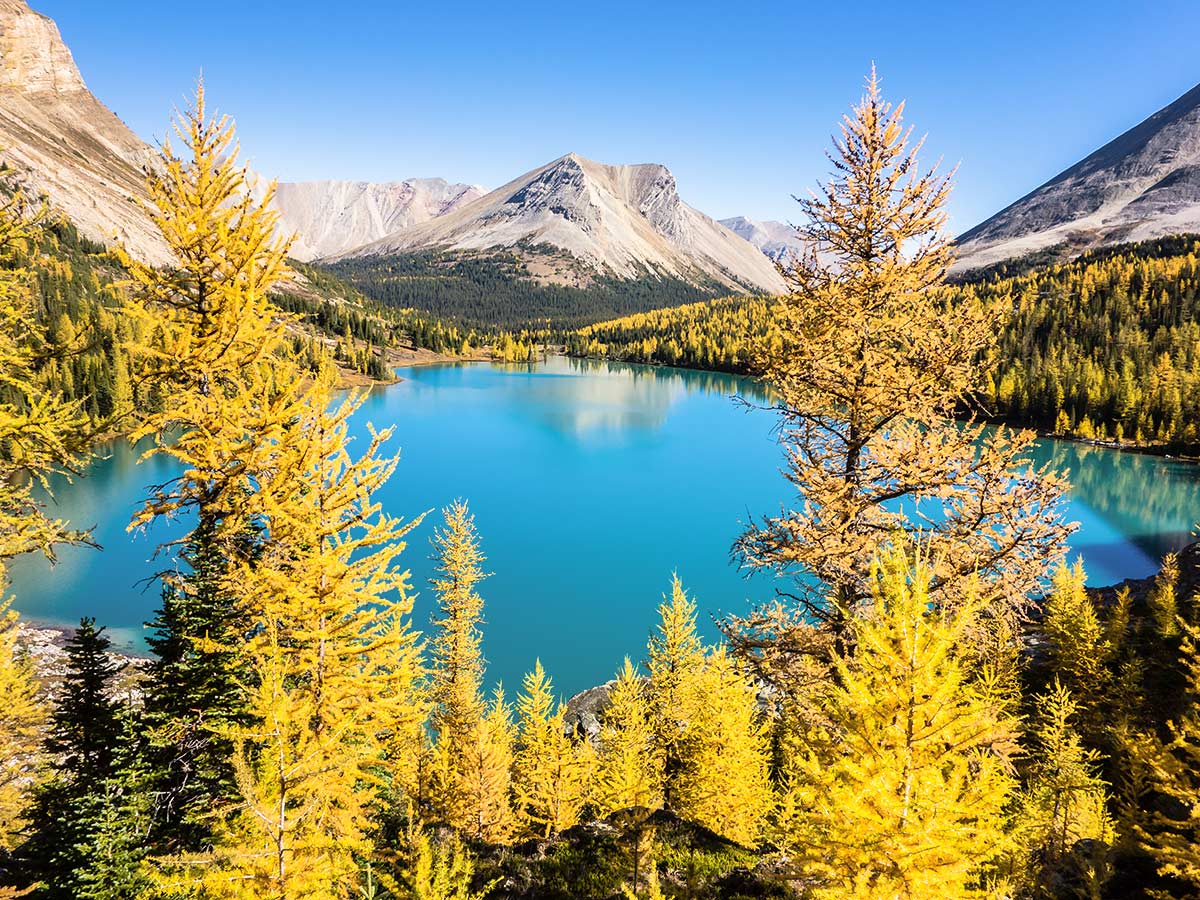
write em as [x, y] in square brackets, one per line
[83, 741]
[193, 690]
[121, 811]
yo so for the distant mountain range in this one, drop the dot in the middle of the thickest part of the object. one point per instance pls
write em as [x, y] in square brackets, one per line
[571, 221]
[1145, 184]
[778, 240]
[615, 222]
[624, 221]
[331, 217]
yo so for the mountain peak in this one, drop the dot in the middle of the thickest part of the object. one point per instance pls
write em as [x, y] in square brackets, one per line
[624, 221]
[1141, 185]
[33, 57]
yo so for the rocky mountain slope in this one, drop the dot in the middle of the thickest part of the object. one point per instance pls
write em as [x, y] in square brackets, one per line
[777, 240]
[623, 221]
[61, 142]
[1144, 184]
[331, 217]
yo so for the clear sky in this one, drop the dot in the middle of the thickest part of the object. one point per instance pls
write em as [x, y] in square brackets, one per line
[738, 99]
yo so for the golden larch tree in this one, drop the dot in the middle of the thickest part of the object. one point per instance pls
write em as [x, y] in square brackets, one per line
[630, 764]
[729, 786]
[867, 366]
[215, 351]
[676, 666]
[901, 790]
[1171, 832]
[551, 772]
[1065, 800]
[469, 779]
[334, 659]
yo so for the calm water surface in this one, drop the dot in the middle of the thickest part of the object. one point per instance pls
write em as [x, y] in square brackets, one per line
[591, 483]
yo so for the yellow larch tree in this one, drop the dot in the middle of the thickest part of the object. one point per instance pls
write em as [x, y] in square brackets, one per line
[1065, 800]
[630, 763]
[676, 696]
[707, 727]
[22, 725]
[729, 787]
[470, 771]
[334, 661]
[216, 338]
[1080, 645]
[901, 791]
[1170, 833]
[867, 367]
[41, 434]
[482, 806]
[551, 771]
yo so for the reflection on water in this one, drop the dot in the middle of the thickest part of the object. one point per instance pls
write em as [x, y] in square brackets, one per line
[591, 483]
[1151, 501]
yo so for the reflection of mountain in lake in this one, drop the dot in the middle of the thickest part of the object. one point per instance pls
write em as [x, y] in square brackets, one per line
[1152, 501]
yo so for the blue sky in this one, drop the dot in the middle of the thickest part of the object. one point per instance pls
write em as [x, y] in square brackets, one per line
[738, 99]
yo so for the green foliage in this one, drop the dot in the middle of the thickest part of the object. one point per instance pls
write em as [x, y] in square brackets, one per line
[72, 810]
[496, 288]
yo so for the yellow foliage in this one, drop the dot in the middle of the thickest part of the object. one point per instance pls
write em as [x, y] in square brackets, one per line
[901, 791]
[629, 767]
[22, 720]
[551, 771]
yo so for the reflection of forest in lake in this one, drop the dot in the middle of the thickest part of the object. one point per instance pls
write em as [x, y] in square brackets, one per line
[1152, 501]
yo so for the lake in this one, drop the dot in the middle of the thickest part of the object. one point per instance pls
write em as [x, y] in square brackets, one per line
[591, 483]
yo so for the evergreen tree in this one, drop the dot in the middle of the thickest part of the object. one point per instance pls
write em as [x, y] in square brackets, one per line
[84, 736]
[113, 866]
[193, 694]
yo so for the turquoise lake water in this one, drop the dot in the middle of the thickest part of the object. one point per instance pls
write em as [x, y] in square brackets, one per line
[590, 483]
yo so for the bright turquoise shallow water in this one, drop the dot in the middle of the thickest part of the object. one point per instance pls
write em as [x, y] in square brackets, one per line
[590, 484]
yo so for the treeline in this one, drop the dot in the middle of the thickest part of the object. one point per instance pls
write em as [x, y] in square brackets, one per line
[497, 289]
[1104, 347]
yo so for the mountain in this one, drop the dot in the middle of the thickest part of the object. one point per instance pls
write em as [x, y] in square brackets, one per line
[574, 220]
[777, 240]
[1145, 184]
[61, 142]
[331, 217]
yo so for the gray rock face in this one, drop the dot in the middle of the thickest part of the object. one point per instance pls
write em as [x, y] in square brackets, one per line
[777, 240]
[61, 142]
[624, 221]
[330, 217]
[1144, 184]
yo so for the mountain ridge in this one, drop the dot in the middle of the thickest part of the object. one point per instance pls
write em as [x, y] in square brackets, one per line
[619, 220]
[1143, 184]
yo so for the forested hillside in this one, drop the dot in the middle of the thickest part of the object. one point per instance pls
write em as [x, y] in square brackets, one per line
[1106, 346]
[499, 290]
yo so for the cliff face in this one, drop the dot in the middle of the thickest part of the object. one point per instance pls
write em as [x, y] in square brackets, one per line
[61, 142]
[1144, 184]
